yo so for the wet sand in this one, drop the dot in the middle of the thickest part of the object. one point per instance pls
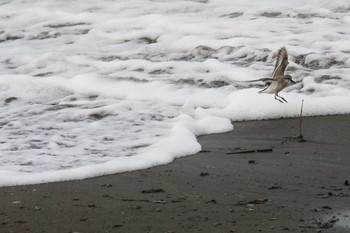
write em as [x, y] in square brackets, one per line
[243, 181]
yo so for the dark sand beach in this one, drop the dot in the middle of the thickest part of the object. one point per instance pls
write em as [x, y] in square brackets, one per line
[243, 181]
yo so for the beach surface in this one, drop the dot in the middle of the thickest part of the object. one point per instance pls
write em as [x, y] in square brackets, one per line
[256, 178]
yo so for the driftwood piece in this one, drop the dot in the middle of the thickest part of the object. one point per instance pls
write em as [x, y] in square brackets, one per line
[242, 151]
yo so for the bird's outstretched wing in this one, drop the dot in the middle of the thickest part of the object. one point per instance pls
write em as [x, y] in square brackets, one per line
[281, 63]
[265, 80]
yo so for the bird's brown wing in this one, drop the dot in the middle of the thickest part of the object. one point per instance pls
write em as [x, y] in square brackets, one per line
[266, 80]
[281, 63]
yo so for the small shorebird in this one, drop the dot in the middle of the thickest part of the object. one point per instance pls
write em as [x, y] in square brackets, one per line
[278, 80]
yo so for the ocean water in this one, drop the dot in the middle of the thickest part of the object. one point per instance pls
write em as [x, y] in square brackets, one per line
[89, 87]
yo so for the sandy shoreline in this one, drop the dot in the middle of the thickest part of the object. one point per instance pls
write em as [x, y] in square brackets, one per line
[282, 188]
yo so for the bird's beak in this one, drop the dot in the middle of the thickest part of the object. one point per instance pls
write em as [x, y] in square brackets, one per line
[293, 82]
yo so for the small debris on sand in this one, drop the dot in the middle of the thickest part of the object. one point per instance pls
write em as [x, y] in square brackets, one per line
[275, 187]
[153, 191]
[245, 151]
[253, 202]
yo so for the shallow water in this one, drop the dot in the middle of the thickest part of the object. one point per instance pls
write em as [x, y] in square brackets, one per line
[98, 87]
[344, 219]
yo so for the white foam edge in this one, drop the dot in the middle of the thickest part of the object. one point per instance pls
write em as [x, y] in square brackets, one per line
[182, 141]
[248, 104]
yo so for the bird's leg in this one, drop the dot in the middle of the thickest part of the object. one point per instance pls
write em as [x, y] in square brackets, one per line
[261, 91]
[282, 98]
[278, 99]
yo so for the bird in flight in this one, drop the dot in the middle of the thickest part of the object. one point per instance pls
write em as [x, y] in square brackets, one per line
[278, 80]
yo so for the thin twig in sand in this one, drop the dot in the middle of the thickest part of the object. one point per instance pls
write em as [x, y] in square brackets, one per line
[300, 138]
